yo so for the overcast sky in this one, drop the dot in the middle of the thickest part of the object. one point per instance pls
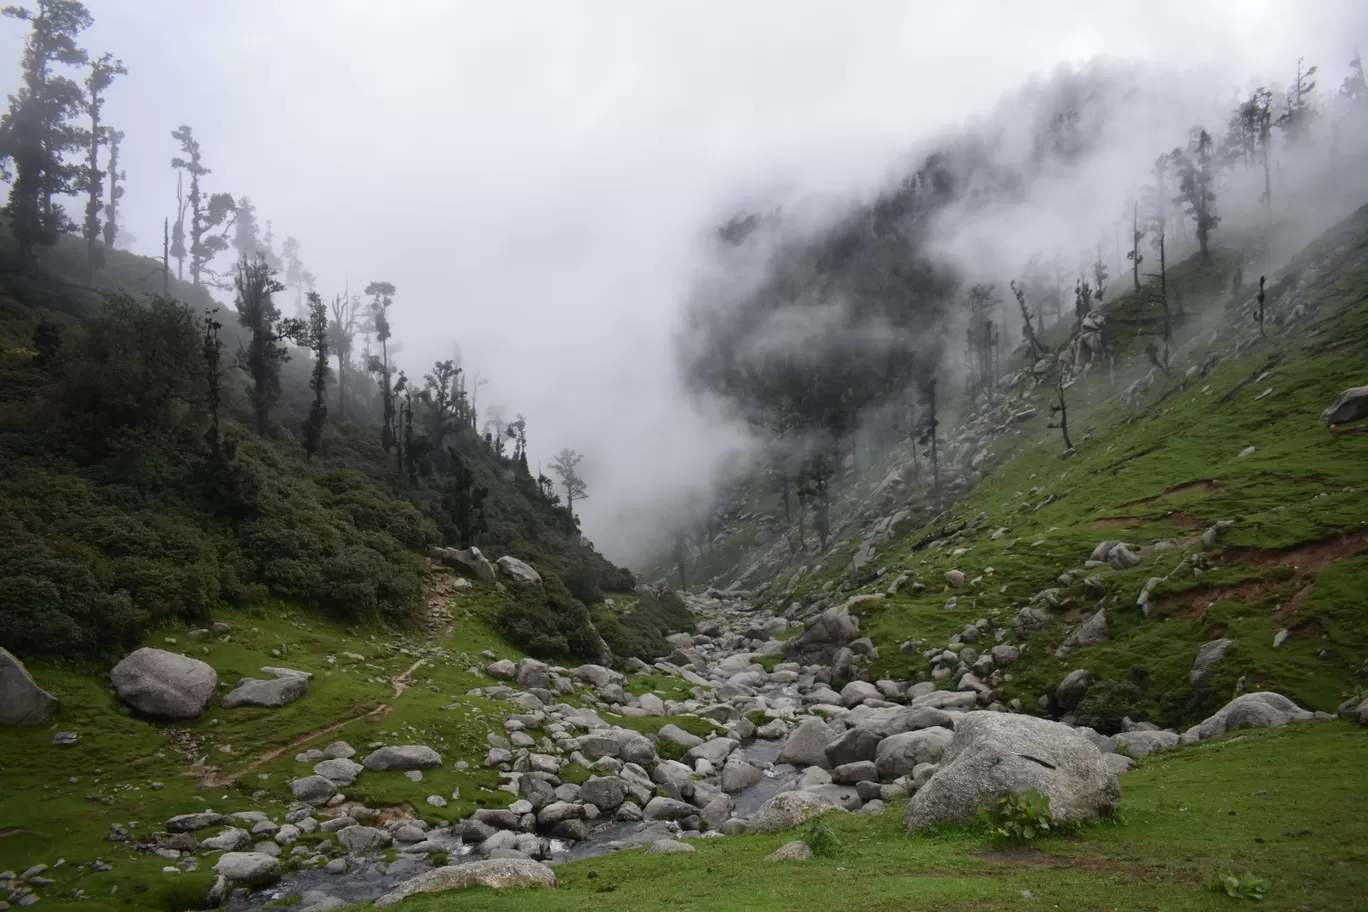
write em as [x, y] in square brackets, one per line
[533, 176]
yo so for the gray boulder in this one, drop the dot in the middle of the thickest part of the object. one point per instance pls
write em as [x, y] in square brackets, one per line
[313, 790]
[714, 751]
[788, 810]
[852, 746]
[469, 561]
[1070, 691]
[798, 850]
[1145, 743]
[996, 754]
[668, 847]
[854, 773]
[518, 570]
[899, 755]
[189, 823]
[233, 839]
[532, 673]
[1092, 632]
[22, 701]
[494, 873]
[1208, 657]
[829, 631]
[339, 771]
[676, 735]
[164, 684]
[361, 839]
[406, 757]
[806, 746]
[252, 869]
[1264, 709]
[504, 668]
[739, 775]
[604, 792]
[1352, 405]
[660, 808]
[287, 686]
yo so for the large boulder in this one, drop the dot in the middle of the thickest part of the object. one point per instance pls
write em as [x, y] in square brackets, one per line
[252, 869]
[532, 673]
[806, 746]
[852, 746]
[788, 810]
[406, 757]
[996, 754]
[287, 686]
[898, 755]
[714, 751]
[1264, 709]
[494, 873]
[164, 684]
[829, 631]
[604, 792]
[518, 570]
[1352, 405]
[361, 839]
[22, 701]
[1145, 743]
[313, 790]
[1092, 632]
[1070, 691]
[469, 561]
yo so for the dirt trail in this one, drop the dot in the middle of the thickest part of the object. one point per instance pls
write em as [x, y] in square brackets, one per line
[208, 775]
[401, 681]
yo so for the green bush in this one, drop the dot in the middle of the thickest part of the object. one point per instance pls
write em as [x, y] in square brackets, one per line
[547, 622]
[1107, 703]
[583, 584]
[821, 838]
[641, 630]
[1022, 818]
[1247, 887]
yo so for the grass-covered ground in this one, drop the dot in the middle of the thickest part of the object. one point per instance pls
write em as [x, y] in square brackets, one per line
[58, 802]
[1272, 803]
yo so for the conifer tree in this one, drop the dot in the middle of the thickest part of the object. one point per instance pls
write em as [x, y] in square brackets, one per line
[317, 340]
[102, 73]
[1195, 180]
[38, 127]
[116, 191]
[566, 466]
[382, 298]
[257, 312]
[206, 215]
[1137, 233]
[1300, 110]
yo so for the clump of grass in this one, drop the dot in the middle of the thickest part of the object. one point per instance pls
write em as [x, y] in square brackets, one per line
[821, 838]
[1247, 887]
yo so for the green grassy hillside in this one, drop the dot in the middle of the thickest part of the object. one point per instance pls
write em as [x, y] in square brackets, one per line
[1158, 459]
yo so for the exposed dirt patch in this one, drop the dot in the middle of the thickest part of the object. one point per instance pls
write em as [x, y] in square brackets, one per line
[1117, 522]
[1251, 591]
[1191, 487]
[1308, 558]
[1174, 518]
[1293, 609]
[1023, 855]
[209, 775]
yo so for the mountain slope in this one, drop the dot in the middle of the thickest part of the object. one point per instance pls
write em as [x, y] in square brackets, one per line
[1159, 460]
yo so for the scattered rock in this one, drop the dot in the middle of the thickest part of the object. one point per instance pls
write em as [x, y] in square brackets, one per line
[1264, 709]
[1092, 632]
[1070, 691]
[788, 810]
[806, 746]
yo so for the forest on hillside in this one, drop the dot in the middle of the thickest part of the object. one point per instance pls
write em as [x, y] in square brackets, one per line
[166, 453]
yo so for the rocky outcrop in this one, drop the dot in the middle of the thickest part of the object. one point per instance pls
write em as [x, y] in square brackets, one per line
[825, 634]
[997, 754]
[469, 561]
[806, 746]
[1255, 710]
[518, 570]
[22, 701]
[1352, 405]
[287, 686]
[164, 684]
[494, 873]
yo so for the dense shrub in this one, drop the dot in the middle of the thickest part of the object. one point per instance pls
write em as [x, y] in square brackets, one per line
[583, 584]
[1107, 703]
[640, 631]
[548, 622]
